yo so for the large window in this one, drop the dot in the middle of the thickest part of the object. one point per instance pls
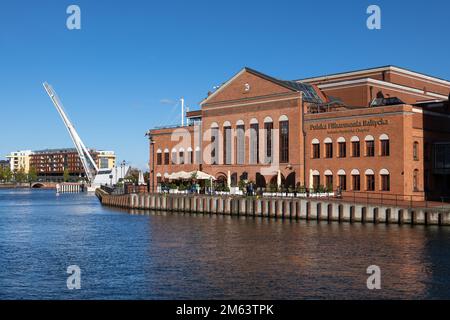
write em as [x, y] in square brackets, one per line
[356, 149]
[316, 181]
[370, 180]
[329, 181]
[328, 148]
[356, 182]
[174, 156]
[166, 157]
[370, 146]
[316, 149]
[342, 149]
[181, 156]
[254, 142]
[416, 150]
[159, 158]
[214, 145]
[240, 133]
[384, 145]
[284, 141]
[385, 182]
[227, 154]
[268, 128]
[342, 182]
[416, 180]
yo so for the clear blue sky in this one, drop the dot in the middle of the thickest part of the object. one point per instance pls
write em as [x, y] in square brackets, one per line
[119, 75]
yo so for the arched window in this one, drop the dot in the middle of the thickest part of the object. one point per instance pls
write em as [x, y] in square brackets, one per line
[328, 180]
[315, 148]
[385, 180]
[284, 139]
[268, 131]
[198, 157]
[159, 157]
[189, 156]
[384, 145]
[356, 149]
[356, 180]
[166, 156]
[342, 180]
[315, 179]
[214, 143]
[240, 137]
[416, 150]
[227, 144]
[370, 180]
[254, 141]
[370, 146]
[328, 148]
[181, 156]
[174, 156]
[342, 147]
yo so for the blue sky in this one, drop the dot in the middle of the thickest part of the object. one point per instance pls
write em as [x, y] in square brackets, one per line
[123, 72]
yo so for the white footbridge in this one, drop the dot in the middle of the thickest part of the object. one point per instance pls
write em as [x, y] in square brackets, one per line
[95, 176]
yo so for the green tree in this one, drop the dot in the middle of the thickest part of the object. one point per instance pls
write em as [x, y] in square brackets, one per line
[7, 174]
[20, 175]
[32, 174]
[66, 175]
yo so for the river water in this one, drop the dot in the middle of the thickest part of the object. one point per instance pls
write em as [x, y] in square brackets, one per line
[191, 256]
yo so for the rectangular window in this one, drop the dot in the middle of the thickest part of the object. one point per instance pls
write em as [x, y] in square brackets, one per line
[343, 182]
[384, 148]
[370, 148]
[342, 150]
[268, 130]
[191, 157]
[214, 145]
[316, 151]
[227, 145]
[356, 182]
[240, 144]
[416, 151]
[181, 157]
[174, 157]
[329, 182]
[254, 143]
[166, 158]
[316, 181]
[159, 159]
[370, 182]
[385, 183]
[284, 141]
[355, 149]
[328, 150]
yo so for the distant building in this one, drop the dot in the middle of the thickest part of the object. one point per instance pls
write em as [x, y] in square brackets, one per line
[4, 164]
[19, 160]
[51, 163]
[106, 159]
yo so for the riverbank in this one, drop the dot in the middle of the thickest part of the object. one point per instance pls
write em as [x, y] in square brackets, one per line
[282, 208]
[14, 185]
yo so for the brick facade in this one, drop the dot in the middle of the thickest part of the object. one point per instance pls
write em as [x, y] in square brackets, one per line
[336, 109]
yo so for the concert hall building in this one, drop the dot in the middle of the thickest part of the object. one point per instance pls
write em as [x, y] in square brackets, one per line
[374, 131]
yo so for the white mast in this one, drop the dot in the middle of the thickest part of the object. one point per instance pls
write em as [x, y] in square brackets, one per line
[89, 165]
[182, 112]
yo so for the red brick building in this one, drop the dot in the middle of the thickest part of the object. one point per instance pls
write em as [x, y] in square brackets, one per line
[374, 131]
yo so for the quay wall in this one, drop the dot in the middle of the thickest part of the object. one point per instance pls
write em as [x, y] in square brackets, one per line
[281, 208]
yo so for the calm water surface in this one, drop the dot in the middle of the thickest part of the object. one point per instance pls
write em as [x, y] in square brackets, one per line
[182, 256]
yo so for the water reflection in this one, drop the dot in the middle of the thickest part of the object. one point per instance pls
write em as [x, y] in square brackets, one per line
[154, 255]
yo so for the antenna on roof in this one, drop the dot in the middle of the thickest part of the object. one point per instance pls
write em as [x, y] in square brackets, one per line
[182, 111]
